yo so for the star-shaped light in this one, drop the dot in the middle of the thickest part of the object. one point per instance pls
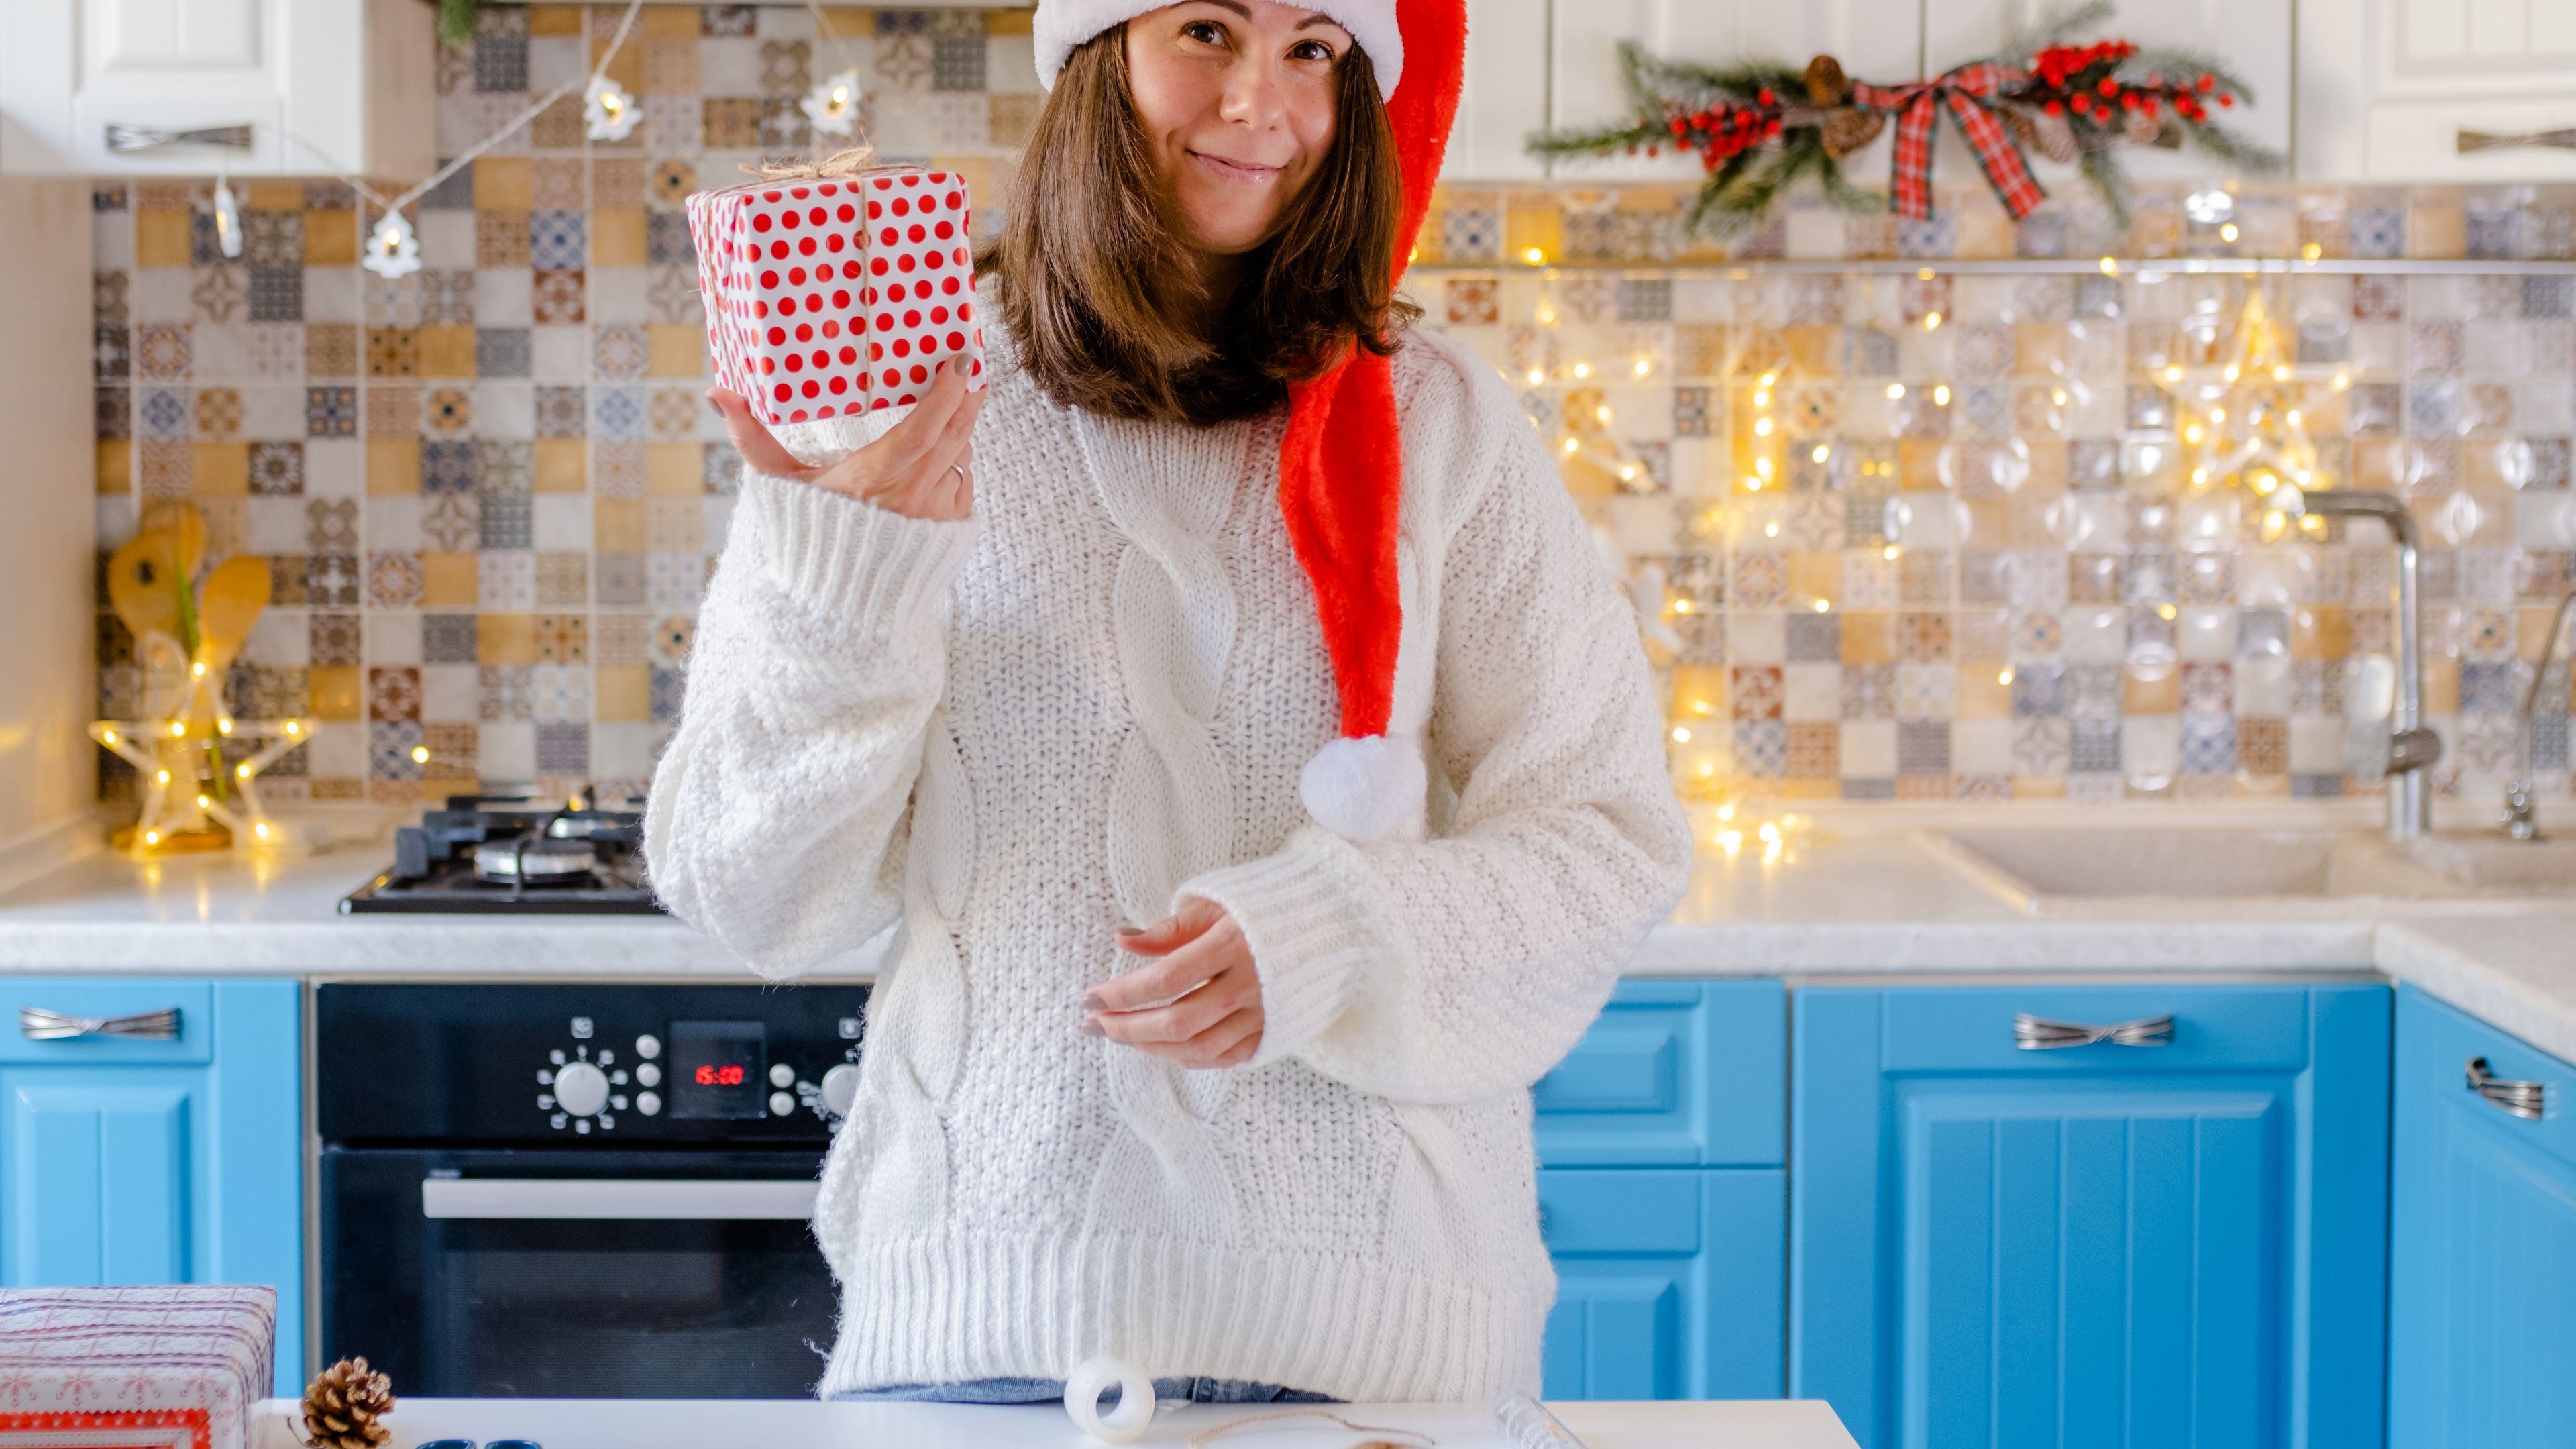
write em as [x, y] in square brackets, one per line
[189, 787]
[833, 104]
[393, 249]
[608, 112]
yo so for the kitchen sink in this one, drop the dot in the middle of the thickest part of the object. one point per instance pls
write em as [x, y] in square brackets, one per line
[2118, 870]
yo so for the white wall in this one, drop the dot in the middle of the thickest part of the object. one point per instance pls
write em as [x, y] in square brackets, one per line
[47, 470]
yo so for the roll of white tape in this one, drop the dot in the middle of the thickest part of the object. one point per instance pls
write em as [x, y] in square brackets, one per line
[1135, 1399]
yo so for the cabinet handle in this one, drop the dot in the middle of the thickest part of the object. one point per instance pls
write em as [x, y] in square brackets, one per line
[2489, 140]
[2527, 1100]
[124, 140]
[35, 1023]
[2039, 1034]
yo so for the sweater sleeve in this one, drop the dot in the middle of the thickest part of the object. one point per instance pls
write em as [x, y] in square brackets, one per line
[777, 814]
[1468, 964]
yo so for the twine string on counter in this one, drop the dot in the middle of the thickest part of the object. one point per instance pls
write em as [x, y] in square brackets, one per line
[1413, 1438]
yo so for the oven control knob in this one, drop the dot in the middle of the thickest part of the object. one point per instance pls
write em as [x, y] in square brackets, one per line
[649, 1103]
[780, 1104]
[840, 1088]
[648, 1075]
[581, 1089]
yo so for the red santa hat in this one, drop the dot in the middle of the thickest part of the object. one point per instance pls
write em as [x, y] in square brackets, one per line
[1340, 465]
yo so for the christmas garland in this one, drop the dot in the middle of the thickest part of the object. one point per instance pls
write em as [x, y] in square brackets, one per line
[1757, 128]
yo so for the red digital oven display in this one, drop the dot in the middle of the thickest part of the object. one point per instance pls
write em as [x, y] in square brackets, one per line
[717, 1068]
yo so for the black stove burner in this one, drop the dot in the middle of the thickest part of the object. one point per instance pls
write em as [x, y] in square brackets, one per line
[508, 854]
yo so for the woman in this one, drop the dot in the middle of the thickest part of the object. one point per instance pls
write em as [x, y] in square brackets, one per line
[1206, 1038]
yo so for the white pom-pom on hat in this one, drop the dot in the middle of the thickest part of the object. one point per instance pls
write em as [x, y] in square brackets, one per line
[1361, 787]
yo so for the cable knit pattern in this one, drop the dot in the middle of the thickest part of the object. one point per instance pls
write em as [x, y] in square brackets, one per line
[1010, 734]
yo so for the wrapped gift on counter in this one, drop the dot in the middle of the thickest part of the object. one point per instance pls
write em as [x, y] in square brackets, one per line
[837, 288]
[133, 1368]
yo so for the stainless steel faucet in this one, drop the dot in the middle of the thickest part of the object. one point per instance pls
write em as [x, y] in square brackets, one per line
[2519, 822]
[2412, 749]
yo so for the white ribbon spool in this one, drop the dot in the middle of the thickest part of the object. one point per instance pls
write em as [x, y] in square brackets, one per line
[1135, 1399]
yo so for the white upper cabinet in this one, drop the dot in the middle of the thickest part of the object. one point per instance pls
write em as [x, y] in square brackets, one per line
[1875, 39]
[322, 86]
[2387, 88]
[2252, 38]
[1505, 95]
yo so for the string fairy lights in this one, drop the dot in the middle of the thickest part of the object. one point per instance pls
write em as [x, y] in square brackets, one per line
[609, 113]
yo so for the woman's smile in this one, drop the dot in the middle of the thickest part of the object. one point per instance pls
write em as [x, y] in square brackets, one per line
[1242, 173]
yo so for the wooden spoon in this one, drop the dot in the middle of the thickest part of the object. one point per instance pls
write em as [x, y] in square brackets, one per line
[231, 601]
[183, 523]
[143, 583]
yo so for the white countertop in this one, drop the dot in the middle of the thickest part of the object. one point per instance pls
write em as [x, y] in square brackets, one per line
[1855, 891]
[799, 1424]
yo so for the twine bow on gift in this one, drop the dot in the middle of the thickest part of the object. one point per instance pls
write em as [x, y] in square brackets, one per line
[849, 161]
[1965, 90]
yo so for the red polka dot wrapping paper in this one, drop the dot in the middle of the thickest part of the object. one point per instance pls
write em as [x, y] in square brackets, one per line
[832, 296]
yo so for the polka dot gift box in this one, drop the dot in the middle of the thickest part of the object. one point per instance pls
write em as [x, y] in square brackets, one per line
[837, 292]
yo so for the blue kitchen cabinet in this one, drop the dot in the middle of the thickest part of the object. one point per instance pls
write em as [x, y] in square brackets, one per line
[138, 1161]
[2482, 1246]
[2171, 1244]
[1662, 1200]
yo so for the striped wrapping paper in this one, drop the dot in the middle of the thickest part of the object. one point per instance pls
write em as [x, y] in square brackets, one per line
[133, 1368]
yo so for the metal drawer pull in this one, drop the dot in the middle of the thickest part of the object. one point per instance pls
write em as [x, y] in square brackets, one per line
[35, 1023]
[605, 1198]
[2039, 1034]
[124, 140]
[2527, 1100]
[2488, 140]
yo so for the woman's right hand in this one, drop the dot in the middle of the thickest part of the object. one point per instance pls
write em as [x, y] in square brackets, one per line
[921, 468]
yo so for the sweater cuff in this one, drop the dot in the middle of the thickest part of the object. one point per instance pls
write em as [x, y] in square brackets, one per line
[849, 558]
[1306, 921]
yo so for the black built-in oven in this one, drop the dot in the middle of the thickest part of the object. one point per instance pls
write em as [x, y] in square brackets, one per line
[575, 1191]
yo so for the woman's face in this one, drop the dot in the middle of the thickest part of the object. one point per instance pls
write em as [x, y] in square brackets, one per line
[1236, 99]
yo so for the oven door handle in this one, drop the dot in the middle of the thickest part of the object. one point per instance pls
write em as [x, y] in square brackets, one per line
[598, 1198]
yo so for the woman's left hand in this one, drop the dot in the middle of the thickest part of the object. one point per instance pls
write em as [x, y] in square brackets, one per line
[1204, 973]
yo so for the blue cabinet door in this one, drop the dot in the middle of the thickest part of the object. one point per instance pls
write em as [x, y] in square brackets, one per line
[2482, 1245]
[1670, 1282]
[130, 1161]
[1660, 1140]
[2175, 1244]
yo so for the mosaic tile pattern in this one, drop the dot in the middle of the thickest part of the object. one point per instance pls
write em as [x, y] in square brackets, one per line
[489, 493]
[1926, 535]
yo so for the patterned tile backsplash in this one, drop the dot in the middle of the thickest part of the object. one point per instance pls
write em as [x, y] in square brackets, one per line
[1900, 533]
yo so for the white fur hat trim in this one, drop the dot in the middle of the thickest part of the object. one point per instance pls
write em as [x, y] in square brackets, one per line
[1060, 25]
[1364, 786]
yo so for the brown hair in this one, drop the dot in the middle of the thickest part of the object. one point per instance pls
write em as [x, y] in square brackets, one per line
[1097, 308]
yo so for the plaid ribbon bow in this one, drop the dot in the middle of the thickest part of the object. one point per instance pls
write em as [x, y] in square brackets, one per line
[1964, 89]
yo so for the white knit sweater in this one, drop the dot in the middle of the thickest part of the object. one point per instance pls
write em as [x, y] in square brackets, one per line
[1015, 732]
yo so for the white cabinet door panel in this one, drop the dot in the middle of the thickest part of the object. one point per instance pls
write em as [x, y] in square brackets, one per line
[1505, 95]
[2386, 87]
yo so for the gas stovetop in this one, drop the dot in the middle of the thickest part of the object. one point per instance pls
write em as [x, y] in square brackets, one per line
[508, 854]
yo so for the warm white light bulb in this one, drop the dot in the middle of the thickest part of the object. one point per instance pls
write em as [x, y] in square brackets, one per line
[608, 113]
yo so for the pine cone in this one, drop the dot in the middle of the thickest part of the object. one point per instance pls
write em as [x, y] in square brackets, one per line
[344, 1405]
[2039, 131]
[1826, 84]
[1847, 130]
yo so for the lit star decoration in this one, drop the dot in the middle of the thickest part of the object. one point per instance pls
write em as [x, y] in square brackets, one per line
[198, 764]
[607, 111]
[393, 249]
[833, 104]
